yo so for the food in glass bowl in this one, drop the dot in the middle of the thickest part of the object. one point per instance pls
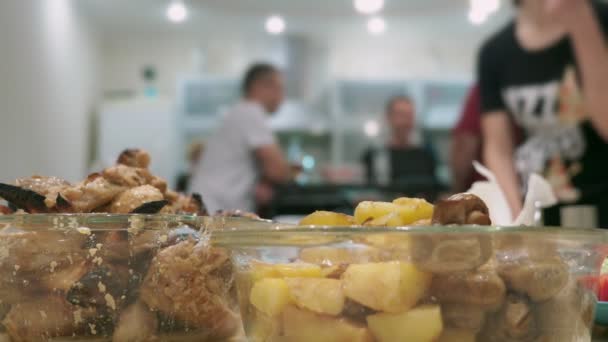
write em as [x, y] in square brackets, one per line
[116, 257]
[371, 277]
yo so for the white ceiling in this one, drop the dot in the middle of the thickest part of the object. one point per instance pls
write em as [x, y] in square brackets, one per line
[302, 15]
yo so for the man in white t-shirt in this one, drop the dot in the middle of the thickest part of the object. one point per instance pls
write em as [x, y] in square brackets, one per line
[242, 157]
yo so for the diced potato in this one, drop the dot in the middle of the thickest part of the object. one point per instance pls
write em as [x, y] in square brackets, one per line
[270, 296]
[457, 335]
[390, 287]
[337, 256]
[412, 210]
[263, 328]
[261, 271]
[327, 218]
[304, 326]
[367, 211]
[422, 324]
[319, 295]
[389, 220]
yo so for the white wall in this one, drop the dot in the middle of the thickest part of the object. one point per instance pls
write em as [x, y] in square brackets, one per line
[179, 53]
[48, 59]
[431, 46]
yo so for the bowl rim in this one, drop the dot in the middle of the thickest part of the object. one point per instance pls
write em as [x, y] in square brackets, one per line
[95, 221]
[239, 233]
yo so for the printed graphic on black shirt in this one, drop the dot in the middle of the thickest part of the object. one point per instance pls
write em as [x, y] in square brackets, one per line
[552, 114]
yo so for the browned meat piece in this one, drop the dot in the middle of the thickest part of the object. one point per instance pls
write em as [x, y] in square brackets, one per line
[182, 204]
[134, 158]
[461, 316]
[568, 316]
[63, 279]
[159, 183]
[41, 319]
[137, 323]
[28, 200]
[23, 250]
[133, 198]
[461, 209]
[514, 322]
[540, 280]
[191, 282]
[93, 193]
[447, 253]
[49, 187]
[483, 289]
[102, 286]
[127, 176]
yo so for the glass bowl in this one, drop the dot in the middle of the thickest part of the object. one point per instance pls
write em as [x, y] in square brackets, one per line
[451, 283]
[113, 278]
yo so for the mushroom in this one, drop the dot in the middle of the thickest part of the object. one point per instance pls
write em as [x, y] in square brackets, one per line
[568, 316]
[461, 316]
[448, 253]
[461, 209]
[484, 289]
[514, 322]
[539, 280]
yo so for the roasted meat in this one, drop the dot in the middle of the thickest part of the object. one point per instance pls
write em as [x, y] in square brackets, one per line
[41, 319]
[134, 158]
[134, 198]
[191, 282]
[137, 323]
[94, 192]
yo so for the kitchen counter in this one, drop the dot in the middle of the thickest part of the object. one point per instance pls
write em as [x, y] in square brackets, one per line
[303, 199]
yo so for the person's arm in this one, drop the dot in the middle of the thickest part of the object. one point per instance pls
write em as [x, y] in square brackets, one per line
[498, 156]
[464, 150]
[591, 53]
[466, 142]
[273, 165]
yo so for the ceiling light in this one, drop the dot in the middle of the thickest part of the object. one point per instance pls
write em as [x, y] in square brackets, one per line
[177, 12]
[369, 6]
[376, 25]
[275, 24]
[477, 17]
[371, 128]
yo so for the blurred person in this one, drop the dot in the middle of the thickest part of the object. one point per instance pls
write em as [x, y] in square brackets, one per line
[242, 159]
[405, 157]
[466, 143]
[547, 71]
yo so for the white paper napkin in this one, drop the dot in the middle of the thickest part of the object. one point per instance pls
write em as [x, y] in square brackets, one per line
[539, 194]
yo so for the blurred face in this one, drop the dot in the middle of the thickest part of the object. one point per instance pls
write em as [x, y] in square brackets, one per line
[270, 91]
[401, 116]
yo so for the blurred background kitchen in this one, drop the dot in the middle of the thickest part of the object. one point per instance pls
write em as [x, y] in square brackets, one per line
[80, 80]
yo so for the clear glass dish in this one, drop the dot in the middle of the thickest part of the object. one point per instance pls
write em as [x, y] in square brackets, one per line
[113, 278]
[451, 283]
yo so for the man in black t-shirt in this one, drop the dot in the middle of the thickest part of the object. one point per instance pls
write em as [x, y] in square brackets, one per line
[547, 71]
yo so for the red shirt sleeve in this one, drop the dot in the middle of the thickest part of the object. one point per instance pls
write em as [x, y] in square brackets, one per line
[470, 118]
